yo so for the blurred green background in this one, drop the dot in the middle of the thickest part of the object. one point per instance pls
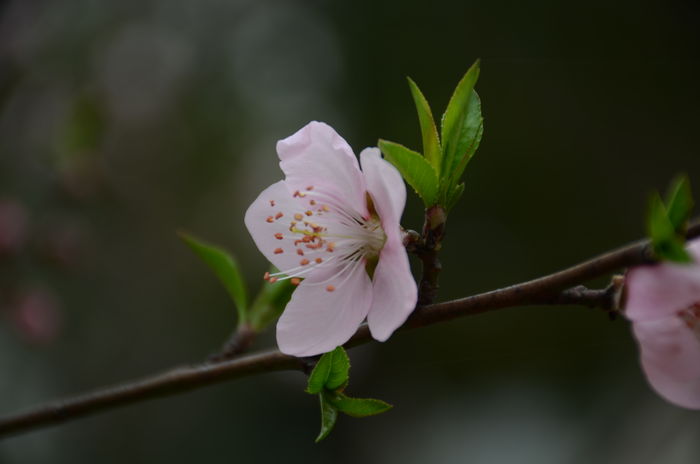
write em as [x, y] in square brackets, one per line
[123, 122]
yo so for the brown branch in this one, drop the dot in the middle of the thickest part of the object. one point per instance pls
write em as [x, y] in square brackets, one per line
[551, 289]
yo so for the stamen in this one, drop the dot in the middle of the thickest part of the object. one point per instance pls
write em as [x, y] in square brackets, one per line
[318, 260]
[304, 262]
[300, 252]
[279, 251]
[270, 219]
[279, 215]
[272, 203]
[329, 288]
[298, 216]
[309, 213]
[279, 236]
[295, 281]
[266, 276]
[273, 280]
[310, 187]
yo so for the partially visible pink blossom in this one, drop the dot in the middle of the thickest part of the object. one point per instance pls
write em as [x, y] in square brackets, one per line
[36, 316]
[663, 303]
[334, 230]
[13, 226]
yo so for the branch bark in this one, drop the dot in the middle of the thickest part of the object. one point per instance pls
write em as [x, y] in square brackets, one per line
[558, 288]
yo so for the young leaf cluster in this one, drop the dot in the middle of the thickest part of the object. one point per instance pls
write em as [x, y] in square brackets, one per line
[435, 175]
[328, 380]
[667, 222]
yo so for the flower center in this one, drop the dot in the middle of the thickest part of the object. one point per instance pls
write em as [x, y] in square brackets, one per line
[330, 238]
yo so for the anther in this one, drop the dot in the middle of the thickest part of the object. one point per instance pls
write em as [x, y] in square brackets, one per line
[330, 288]
[270, 219]
[279, 251]
[310, 187]
[312, 202]
[300, 252]
[266, 276]
[304, 262]
[298, 216]
[273, 280]
[279, 215]
[325, 208]
[279, 236]
[319, 260]
[272, 202]
[295, 280]
[309, 212]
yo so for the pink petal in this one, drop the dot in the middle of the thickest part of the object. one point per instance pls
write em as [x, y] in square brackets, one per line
[385, 185]
[395, 292]
[263, 229]
[316, 156]
[660, 290]
[316, 320]
[670, 356]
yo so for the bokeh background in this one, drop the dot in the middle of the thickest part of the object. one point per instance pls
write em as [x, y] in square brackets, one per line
[123, 122]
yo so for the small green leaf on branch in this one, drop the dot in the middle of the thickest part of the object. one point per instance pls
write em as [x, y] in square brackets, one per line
[665, 241]
[225, 268]
[331, 372]
[680, 203]
[431, 143]
[358, 407]
[415, 169]
[329, 415]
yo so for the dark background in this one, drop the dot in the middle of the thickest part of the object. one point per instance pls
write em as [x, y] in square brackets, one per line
[122, 122]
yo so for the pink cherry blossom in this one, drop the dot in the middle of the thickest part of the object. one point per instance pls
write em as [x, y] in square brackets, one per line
[334, 229]
[663, 303]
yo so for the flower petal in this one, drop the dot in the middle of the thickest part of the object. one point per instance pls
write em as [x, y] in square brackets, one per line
[316, 320]
[395, 292]
[670, 356]
[385, 185]
[316, 156]
[264, 225]
[658, 291]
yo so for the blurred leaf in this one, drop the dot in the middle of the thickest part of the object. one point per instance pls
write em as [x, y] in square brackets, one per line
[225, 268]
[453, 196]
[329, 415]
[680, 203]
[431, 143]
[358, 407]
[330, 372]
[270, 302]
[414, 168]
[460, 124]
[667, 245]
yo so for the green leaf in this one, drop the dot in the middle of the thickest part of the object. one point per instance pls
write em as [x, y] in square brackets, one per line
[270, 302]
[470, 139]
[680, 203]
[225, 268]
[431, 143]
[340, 368]
[358, 407]
[415, 169]
[329, 415]
[331, 371]
[461, 122]
[665, 242]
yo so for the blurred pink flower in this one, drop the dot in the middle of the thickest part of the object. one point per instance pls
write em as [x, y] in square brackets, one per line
[36, 316]
[337, 228]
[663, 303]
[13, 226]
